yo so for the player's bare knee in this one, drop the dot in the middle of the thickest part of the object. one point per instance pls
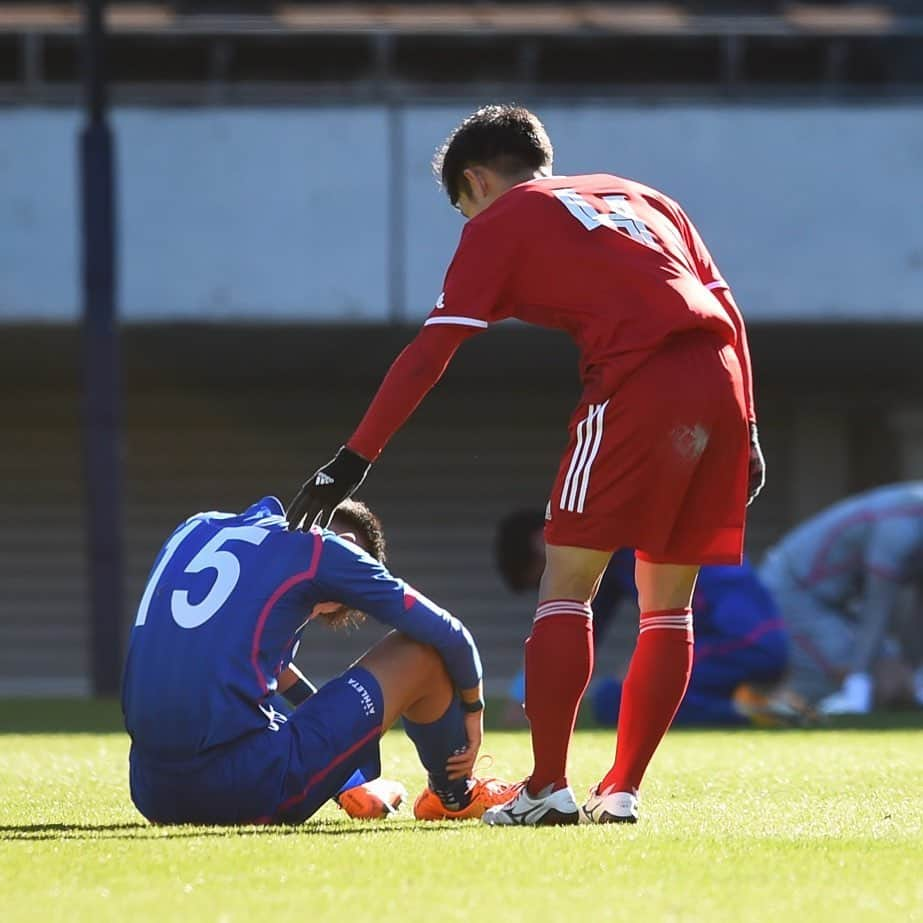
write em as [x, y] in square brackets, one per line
[572, 573]
[416, 658]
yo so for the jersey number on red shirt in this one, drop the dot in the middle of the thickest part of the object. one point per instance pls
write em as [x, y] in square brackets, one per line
[620, 217]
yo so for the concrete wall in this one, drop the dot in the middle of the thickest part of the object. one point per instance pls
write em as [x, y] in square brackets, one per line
[285, 214]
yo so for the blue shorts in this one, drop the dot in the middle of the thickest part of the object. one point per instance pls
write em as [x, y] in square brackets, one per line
[271, 776]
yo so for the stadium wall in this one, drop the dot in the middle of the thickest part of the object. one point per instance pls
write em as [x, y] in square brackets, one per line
[217, 415]
[321, 214]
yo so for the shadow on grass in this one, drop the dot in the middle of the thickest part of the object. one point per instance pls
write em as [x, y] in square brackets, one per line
[103, 716]
[139, 830]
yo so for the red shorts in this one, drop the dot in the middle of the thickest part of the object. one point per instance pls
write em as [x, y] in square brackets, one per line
[662, 466]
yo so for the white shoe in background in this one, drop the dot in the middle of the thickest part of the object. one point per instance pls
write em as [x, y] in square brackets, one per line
[853, 698]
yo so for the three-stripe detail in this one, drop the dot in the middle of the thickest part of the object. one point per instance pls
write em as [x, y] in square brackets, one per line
[670, 619]
[563, 607]
[589, 437]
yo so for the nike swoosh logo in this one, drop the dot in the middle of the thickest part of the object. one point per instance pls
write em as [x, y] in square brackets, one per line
[521, 817]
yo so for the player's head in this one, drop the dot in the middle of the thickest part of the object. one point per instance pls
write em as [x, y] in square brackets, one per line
[520, 549]
[493, 149]
[354, 521]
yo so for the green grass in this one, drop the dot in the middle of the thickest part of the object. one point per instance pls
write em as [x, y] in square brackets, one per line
[738, 826]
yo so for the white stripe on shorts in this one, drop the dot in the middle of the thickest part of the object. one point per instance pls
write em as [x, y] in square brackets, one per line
[600, 418]
[589, 437]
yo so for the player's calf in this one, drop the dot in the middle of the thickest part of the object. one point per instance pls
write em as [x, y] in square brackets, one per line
[416, 687]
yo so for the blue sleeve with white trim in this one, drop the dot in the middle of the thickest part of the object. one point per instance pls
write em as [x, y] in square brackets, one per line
[347, 574]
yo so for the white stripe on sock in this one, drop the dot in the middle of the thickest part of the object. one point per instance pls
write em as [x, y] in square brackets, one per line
[563, 607]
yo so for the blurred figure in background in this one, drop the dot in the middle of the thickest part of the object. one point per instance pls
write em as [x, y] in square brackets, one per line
[838, 580]
[741, 648]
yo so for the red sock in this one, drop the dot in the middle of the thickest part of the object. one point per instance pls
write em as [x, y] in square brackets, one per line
[651, 694]
[559, 661]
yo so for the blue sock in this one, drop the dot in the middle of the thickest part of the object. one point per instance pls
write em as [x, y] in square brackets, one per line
[357, 778]
[435, 743]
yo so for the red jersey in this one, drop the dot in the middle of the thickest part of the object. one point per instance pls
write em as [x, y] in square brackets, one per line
[615, 264]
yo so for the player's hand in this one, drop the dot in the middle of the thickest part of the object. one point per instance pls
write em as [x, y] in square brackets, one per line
[757, 466]
[326, 489]
[461, 765]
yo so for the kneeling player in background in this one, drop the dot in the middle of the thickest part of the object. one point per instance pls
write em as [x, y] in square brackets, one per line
[838, 579]
[214, 742]
[741, 649]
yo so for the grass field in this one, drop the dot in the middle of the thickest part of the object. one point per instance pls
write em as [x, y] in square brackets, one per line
[736, 826]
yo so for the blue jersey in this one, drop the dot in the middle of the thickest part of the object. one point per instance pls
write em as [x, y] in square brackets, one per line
[226, 603]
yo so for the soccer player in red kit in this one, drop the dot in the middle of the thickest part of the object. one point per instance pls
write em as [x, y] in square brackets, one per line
[663, 454]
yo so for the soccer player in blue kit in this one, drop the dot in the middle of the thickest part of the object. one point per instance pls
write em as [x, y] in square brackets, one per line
[213, 741]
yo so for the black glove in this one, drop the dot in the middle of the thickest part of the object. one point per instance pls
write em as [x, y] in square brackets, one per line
[757, 466]
[326, 489]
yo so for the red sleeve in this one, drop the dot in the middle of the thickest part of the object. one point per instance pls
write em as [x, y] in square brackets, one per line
[473, 296]
[410, 377]
[711, 278]
[474, 293]
[705, 266]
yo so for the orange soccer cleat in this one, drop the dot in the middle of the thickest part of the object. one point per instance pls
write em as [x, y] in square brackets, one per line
[484, 793]
[375, 799]
[775, 708]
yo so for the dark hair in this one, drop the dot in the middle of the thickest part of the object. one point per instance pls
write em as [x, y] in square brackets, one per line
[360, 519]
[507, 138]
[355, 516]
[513, 546]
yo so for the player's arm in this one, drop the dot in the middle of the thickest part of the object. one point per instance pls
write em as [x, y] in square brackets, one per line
[726, 299]
[294, 686]
[407, 382]
[757, 474]
[710, 276]
[410, 378]
[471, 298]
[348, 575]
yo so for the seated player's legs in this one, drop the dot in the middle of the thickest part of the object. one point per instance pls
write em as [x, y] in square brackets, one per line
[408, 680]
[287, 771]
[236, 783]
[396, 677]
[283, 772]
